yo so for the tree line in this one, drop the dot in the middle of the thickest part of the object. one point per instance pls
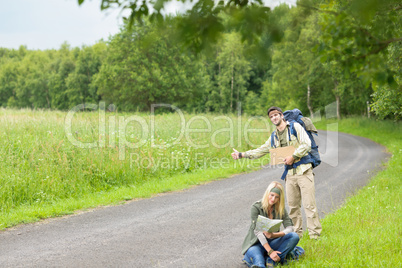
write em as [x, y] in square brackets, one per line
[146, 63]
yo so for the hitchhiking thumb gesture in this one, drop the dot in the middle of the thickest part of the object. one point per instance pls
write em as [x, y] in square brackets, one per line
[235, 154]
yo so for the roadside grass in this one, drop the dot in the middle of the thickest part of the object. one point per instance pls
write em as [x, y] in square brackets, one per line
[367, 230]
[46, 170]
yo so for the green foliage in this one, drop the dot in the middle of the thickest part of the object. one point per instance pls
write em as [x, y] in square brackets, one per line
[307, 57]
[252, 104]
[145, 66]
[231, 75]
[78, 83]
[24, 80]
[60, 70]
[387, 103]
[388, 100]
[202, 20]
[202, 25]
[35, 79]
[8, 81]
[296, 68]
[357, 34]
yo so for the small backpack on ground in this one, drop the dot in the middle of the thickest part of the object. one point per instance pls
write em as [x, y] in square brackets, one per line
[313, 156]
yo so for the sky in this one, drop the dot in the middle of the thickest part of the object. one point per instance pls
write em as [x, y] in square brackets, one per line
[47, 24]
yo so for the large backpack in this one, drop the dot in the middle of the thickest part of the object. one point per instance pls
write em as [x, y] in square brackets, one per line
[313, 156]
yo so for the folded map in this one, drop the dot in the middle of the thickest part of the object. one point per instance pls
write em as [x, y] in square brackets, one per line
[267, 225]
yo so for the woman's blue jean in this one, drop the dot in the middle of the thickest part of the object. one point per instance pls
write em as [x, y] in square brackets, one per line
[257, 255]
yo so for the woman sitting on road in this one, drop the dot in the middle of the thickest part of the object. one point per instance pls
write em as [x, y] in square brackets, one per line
[263, 249]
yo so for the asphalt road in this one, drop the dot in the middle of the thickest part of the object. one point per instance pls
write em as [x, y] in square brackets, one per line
[200, 227]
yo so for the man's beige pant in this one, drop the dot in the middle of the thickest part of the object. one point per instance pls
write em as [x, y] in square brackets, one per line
[298, 188]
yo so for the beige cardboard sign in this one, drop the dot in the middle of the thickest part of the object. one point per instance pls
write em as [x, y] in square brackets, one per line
[278, 155]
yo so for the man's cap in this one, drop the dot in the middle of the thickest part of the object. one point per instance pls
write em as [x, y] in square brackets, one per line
[274, 108]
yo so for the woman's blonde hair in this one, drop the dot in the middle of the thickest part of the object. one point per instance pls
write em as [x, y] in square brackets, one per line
[279, 206]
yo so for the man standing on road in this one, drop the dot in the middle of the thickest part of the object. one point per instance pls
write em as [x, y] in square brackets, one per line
[299, 180]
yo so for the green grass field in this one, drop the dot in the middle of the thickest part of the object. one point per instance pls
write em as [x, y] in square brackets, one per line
[54, 163]
[48, 170]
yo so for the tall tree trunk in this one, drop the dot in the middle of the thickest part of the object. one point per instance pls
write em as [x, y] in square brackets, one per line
[309, 102]
[338, 106]
[219, 86]
[231, 86]
[238, 94]
[338, 101]
[219, 81]
[47, 96]
[48, 101]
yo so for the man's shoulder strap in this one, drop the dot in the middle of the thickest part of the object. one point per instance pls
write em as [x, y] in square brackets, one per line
[273, 135]
[292, 128]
